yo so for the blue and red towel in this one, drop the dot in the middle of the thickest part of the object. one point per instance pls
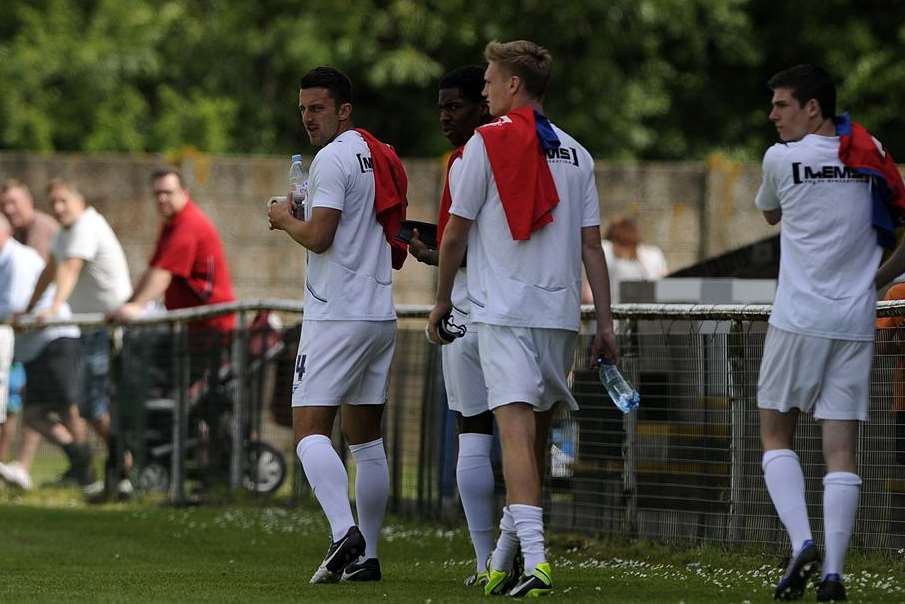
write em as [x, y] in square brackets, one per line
[516, 147]
[859, 150]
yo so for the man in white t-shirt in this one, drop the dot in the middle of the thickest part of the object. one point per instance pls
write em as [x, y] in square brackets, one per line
[525, 205]
[349, 328]
[88, 267]
[462, 109]
[819, 347]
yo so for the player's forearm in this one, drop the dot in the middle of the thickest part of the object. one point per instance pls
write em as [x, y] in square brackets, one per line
[452, 251]
[892, 268]
[308, 236]
[598, 279]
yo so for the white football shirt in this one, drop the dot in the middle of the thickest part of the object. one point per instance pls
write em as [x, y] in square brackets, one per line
[533, 283]
[829, 253]
[104, 283]
[352, 280]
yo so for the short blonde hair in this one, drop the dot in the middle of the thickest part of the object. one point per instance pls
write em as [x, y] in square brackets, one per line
[14, 183]
[525, 59]
[62, 183]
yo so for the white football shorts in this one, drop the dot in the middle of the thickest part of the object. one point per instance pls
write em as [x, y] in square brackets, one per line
[343, 362]
[827, 377]
[463, 376]
[527, 365]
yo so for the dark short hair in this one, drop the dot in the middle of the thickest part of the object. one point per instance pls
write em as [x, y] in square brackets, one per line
[166, 171]
[336, 82]
[468, 79]
[808, 82]
[529, 61]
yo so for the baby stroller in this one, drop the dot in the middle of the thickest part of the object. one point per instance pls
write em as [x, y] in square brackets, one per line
[209, 443]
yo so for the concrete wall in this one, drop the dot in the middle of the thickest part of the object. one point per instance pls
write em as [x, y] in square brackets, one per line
[690, 209]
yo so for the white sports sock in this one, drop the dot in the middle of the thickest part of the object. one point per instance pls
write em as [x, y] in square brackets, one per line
[328, 479]
[372, 489]
[507, 545]
[840, 503]
[529, 524]
[785, 483]
[474, 477]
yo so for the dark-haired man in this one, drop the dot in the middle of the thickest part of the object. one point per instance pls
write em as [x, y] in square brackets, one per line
[354, 207]
[529, 189]
[462, 109]
[819, 347]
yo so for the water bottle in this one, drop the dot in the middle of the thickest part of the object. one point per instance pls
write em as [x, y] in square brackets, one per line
[298, 186]
[623, 395]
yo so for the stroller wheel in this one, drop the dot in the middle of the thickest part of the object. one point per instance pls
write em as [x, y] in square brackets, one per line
[265, 468]
[154, 477]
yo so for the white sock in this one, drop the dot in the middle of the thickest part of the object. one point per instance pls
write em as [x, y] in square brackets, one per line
[372, 489]
[507, 545]
[785, 483]
[840, 503]
[529, 524]
[474, 477]
[328, 479]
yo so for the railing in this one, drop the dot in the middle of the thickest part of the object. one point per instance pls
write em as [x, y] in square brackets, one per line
[684, 467]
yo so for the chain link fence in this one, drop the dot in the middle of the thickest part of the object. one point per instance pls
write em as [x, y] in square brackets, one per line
[685, 467]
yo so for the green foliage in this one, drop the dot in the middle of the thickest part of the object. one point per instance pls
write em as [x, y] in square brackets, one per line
[633, 79]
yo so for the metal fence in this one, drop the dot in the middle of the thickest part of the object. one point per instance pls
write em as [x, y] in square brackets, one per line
[684, 468]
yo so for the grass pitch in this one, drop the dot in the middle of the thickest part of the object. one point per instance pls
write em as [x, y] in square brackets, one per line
[53, 548]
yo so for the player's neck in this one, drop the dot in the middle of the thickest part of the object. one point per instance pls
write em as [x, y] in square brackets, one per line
[825, 127]
[521, 101]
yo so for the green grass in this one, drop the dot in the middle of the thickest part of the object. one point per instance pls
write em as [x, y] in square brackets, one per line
[53, 548]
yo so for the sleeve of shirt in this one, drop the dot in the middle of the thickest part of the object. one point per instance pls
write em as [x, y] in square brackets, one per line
[768, 196]
[591, 203]
[328, 179]
[469, 189]
[80, 242]
[176, 252]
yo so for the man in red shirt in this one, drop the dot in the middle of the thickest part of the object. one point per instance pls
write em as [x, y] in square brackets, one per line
[189, 269]
[188, 266]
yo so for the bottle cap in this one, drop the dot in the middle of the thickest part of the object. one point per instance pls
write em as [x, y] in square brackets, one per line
[296, 158]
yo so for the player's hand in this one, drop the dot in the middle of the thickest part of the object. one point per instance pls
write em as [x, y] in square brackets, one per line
[440, 310]
[125, 313]
[604, 344]
[279, 215]
[418, 250]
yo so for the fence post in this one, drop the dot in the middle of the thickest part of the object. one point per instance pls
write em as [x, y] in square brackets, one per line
[738, 389]
[178, 335]
[240, 367]
[629, 454]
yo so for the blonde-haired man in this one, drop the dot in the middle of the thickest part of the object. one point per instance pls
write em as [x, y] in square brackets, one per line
[529, 188]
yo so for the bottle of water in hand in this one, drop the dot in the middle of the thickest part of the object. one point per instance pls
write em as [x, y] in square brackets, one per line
[298, 186]
[623, 395]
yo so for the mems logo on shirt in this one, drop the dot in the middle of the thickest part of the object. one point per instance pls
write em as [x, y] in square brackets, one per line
[802, 174]
[364, 163]
[563, 154]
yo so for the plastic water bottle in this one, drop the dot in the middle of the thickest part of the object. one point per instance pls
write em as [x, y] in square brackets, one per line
[298, 186]
[623, 395]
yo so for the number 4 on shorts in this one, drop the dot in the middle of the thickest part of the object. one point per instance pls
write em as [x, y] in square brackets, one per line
[300, 366]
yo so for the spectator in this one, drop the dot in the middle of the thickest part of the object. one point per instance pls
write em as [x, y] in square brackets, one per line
[627, 258]
[36, 230]
[30, 226]
[88, 268]
[891, 341]
[188, 269]
[51, 358]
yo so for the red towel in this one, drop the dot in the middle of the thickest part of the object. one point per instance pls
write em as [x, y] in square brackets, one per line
[390, 188]
[519, 165]
[446, 199]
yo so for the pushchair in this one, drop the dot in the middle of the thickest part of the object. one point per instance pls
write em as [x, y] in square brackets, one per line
[209, 444]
